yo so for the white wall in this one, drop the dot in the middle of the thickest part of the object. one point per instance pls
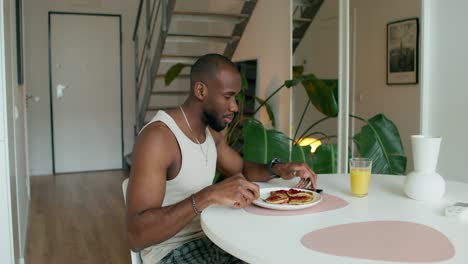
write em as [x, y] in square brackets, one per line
[13, 139]
[7, 242]
[399, 103]
[37, 70]
[318, 53]
[445, 79]
[319, 49]
[267, 38]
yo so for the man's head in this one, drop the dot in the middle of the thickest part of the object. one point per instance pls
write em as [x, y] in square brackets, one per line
[215, 82]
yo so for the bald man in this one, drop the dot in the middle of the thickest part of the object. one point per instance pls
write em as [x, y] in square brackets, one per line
[175, 158]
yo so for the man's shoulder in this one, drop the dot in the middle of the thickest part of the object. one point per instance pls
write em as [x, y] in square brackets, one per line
[156, 132]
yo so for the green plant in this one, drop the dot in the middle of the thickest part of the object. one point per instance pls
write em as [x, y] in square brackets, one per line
[378, 139]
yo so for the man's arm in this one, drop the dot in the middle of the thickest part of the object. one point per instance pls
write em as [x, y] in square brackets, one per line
[149, 223]
[230, 162]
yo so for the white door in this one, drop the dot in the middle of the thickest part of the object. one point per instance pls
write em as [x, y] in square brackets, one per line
[85, 67]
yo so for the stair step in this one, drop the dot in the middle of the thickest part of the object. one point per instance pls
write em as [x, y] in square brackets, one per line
[164, 67]
[305, 3]
[209, 17]
[161, 76]
[303, 15]
[247, 8]
[170, 92]
[216, 6]
[301, 21]
[178, 59]
[187, 38]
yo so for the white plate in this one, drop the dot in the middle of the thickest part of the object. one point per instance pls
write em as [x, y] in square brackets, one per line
[265, 192]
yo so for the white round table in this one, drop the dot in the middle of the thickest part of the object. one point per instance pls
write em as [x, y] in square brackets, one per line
[276, 239]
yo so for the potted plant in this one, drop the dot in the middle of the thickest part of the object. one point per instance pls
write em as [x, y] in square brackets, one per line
[379, 138]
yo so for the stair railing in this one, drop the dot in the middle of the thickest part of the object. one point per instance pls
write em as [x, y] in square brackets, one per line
[149, 36]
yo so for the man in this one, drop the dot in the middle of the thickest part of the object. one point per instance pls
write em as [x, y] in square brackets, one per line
[175, 158]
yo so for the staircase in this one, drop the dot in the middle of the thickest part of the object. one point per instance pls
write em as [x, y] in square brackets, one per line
[169, 32]
[304, 12]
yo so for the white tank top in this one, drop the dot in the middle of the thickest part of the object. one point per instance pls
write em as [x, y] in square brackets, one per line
[195, 174]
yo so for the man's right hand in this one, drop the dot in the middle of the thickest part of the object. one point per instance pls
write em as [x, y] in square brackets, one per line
[235, 191]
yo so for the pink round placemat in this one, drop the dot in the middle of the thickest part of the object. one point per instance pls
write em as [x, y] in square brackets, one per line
[329, 202]
[382, 240]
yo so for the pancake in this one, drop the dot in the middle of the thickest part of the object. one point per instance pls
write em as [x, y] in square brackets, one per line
[304, 199]
[295, 192]
[277, 199]
[282, 193]
[291, 196]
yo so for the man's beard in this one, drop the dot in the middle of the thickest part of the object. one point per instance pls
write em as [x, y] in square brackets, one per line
[213, 122]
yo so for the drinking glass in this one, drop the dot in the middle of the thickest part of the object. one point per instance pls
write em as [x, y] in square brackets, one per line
[360, 173]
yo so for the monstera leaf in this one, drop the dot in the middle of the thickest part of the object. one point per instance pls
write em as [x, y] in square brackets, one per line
[322, 93]
[324, 160]
[302, 154]
[261, 145]
[323, 96]
[380, 141]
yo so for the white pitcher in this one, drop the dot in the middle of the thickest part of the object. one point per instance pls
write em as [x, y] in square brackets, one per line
[424, 183]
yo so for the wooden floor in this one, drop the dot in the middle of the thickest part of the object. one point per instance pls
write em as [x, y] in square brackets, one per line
[77, 218]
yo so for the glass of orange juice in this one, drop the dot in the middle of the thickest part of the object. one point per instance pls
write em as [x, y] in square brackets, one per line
[360, 173]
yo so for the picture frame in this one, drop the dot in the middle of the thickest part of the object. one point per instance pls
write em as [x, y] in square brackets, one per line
[19, 40]
[403, 52]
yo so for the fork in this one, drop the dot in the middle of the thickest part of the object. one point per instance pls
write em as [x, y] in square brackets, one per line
[311, 189]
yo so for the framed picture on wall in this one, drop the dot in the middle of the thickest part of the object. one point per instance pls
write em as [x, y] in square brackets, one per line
[402, 51]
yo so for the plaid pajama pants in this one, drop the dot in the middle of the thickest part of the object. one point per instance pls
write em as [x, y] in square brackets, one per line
[200, 251]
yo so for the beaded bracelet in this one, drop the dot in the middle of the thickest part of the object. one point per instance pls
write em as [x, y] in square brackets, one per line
[194, 205]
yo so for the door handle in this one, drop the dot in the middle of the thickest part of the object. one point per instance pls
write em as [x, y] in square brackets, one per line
[31, 97]
[60, 90]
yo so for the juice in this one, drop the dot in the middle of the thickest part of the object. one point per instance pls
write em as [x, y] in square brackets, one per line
[360, 178]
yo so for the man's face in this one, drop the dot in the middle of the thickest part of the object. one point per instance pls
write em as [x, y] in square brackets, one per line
[221, 105]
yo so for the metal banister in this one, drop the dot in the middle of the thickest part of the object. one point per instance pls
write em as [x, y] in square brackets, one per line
[147, 63]
[137, 21]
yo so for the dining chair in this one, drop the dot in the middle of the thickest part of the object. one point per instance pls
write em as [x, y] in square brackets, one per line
[135, 256]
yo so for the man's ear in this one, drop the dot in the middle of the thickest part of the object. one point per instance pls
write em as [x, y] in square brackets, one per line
[200, 90]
